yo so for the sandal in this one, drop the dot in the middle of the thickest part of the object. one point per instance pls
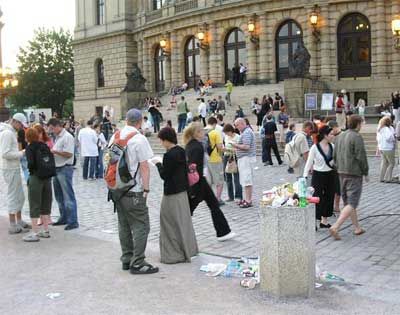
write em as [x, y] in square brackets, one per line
[143, 269]
[246, 204]
[359, 232]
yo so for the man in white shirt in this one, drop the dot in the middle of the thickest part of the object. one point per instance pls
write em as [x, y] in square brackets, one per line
[133, 214]
[63, 150]
[89, 150]
[202, 110]
[146, 127]
[302, 147]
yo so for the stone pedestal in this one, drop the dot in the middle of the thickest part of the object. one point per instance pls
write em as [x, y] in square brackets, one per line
[132, 100]
[294, 95]
[287, 258]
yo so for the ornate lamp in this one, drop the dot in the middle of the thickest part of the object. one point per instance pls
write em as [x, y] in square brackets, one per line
[314, 17]
[163, 46]
[396, 32]
[251, 27]
[202, 37]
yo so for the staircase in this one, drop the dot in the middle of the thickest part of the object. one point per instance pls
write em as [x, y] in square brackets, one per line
[242, 95]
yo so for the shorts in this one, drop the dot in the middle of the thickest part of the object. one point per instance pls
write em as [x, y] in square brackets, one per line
[40, 196]
[15, 192]
[337, 184]
[216, 173]
[246, 172]
[351, 188]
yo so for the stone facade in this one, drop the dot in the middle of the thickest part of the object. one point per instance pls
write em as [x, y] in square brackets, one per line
[132, 32]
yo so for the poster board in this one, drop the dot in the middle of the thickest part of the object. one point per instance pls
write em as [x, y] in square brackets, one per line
[311, 101]
[327, 101]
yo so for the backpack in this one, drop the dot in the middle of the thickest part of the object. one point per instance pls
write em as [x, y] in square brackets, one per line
[117, 175]
[45, 164]
[291, 155]
[207, 144]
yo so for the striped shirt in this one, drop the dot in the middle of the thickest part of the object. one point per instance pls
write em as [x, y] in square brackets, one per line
[247, 137]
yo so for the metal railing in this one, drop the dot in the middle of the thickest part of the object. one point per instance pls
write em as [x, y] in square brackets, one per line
[186, 5]
[154, 15]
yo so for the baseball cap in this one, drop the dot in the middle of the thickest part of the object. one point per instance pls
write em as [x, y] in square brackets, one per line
[21, 118]
[133, 115]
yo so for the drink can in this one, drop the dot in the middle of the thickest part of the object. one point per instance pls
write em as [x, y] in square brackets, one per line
[248, 283]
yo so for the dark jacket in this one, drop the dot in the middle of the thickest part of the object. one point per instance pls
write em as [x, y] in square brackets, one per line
[195, 154]
[270, 129]
[173, 171]
[30, 152]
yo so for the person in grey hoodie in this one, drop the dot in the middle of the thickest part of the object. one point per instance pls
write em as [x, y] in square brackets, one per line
[10, 166]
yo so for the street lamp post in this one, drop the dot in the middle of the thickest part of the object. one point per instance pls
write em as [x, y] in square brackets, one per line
[8, 82]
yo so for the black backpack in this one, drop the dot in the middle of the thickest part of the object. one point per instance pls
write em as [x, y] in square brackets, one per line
[45, 164]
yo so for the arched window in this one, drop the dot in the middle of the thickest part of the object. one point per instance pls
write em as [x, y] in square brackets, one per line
[100, 73]
[354, 46]
[159, 66]
[192, 62]
[235, 54]
[158, 4]
[288, 37]
[100, 9]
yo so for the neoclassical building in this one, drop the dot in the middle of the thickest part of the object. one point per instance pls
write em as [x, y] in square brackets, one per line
[353, 44]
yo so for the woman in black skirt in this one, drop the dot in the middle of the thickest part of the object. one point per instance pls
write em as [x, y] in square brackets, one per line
[323, 180]
[201, 191]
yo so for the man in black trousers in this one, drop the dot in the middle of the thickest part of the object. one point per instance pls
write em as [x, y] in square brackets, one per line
[269, 142]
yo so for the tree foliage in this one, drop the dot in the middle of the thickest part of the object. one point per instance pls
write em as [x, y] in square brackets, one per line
[45, 73]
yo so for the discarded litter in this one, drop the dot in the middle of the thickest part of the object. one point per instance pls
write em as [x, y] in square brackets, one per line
[248, 283]
[213, 270]
[109, 231]
[325, 276]
[318, 285]
[53, 296]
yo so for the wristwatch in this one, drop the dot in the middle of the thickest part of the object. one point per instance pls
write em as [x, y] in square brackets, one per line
[146, 190]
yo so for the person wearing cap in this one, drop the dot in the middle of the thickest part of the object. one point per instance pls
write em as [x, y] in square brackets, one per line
[133, 213]
[63, 150]
[10, 166]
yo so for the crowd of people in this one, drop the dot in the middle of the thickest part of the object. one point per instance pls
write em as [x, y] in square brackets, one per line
[213, 153]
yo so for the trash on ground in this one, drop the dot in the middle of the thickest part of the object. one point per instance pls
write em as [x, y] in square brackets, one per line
[54, 295]
[109, 231]
[249, 283]
[213, 270]
[325, 276]
[318, 285]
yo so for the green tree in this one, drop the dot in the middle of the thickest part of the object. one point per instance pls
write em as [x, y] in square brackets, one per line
[45, 72]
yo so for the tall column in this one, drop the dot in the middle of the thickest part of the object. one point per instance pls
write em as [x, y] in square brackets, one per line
[167, 74]
[379, 52]
[270, 45]
[325, 52]
[251, 75]
[213, 58]
[175, 59]
[395, 52]
[263, 50]
[140, 54]
[147, 63]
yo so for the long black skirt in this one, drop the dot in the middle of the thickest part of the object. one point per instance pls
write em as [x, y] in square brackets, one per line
[325, 188]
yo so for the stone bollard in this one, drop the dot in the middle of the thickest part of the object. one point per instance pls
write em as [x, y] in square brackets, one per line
[287, 257]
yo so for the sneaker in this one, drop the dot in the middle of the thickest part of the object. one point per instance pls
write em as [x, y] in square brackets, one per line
[33, 237]
[15, 229]
[226, 237]
[24, 225]
[221, 203]
[44, 234]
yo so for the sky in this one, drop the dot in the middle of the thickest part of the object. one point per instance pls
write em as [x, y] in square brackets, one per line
[23, 17]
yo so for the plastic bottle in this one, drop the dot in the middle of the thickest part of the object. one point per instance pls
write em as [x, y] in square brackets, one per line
[233, 269]
[302, 192]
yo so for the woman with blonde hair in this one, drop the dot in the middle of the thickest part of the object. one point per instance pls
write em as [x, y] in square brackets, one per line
[193, 136]
[386, 139]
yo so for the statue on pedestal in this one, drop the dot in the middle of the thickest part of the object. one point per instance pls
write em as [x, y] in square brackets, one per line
[299, 67]
[135, 80]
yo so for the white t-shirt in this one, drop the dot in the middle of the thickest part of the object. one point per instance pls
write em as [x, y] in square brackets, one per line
[139, 150]
[202, 109]
[146, 125]
[317, 161]
[88, 142]
[64, 143]
[386, 138]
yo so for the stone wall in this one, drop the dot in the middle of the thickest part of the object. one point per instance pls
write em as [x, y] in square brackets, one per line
[118, 51]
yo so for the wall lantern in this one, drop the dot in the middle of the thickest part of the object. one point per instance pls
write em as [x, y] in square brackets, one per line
[163, 46]
[202, 37]
[314, 16]
[251, 27]
[396, 32]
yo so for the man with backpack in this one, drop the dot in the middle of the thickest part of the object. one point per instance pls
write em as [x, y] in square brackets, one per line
[10, 167]
[63, 150]
[128, 179]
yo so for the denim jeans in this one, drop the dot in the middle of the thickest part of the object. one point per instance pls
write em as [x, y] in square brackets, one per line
[65, 195]
[181, 123]
[156, 123]
[99, 165]
[232, 181]
[89, 165]
[24, 166]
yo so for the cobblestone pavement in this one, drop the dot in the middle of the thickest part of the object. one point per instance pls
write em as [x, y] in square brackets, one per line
[375, 256]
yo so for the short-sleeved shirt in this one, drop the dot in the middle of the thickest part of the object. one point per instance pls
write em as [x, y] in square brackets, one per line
[301, 143]
[247, 137]
[139, 150]
[215, 139]
[64, 143]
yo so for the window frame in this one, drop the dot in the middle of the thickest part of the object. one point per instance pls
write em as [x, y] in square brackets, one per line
[236, 46]
[100, 74]
[159, 62]
[191, 53]
[100, 12]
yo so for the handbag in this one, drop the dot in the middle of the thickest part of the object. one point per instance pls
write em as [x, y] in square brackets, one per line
[231, 166]
[193, 174]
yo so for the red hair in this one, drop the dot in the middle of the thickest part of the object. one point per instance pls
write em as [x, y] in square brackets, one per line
[42, 132]
[32, 135]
